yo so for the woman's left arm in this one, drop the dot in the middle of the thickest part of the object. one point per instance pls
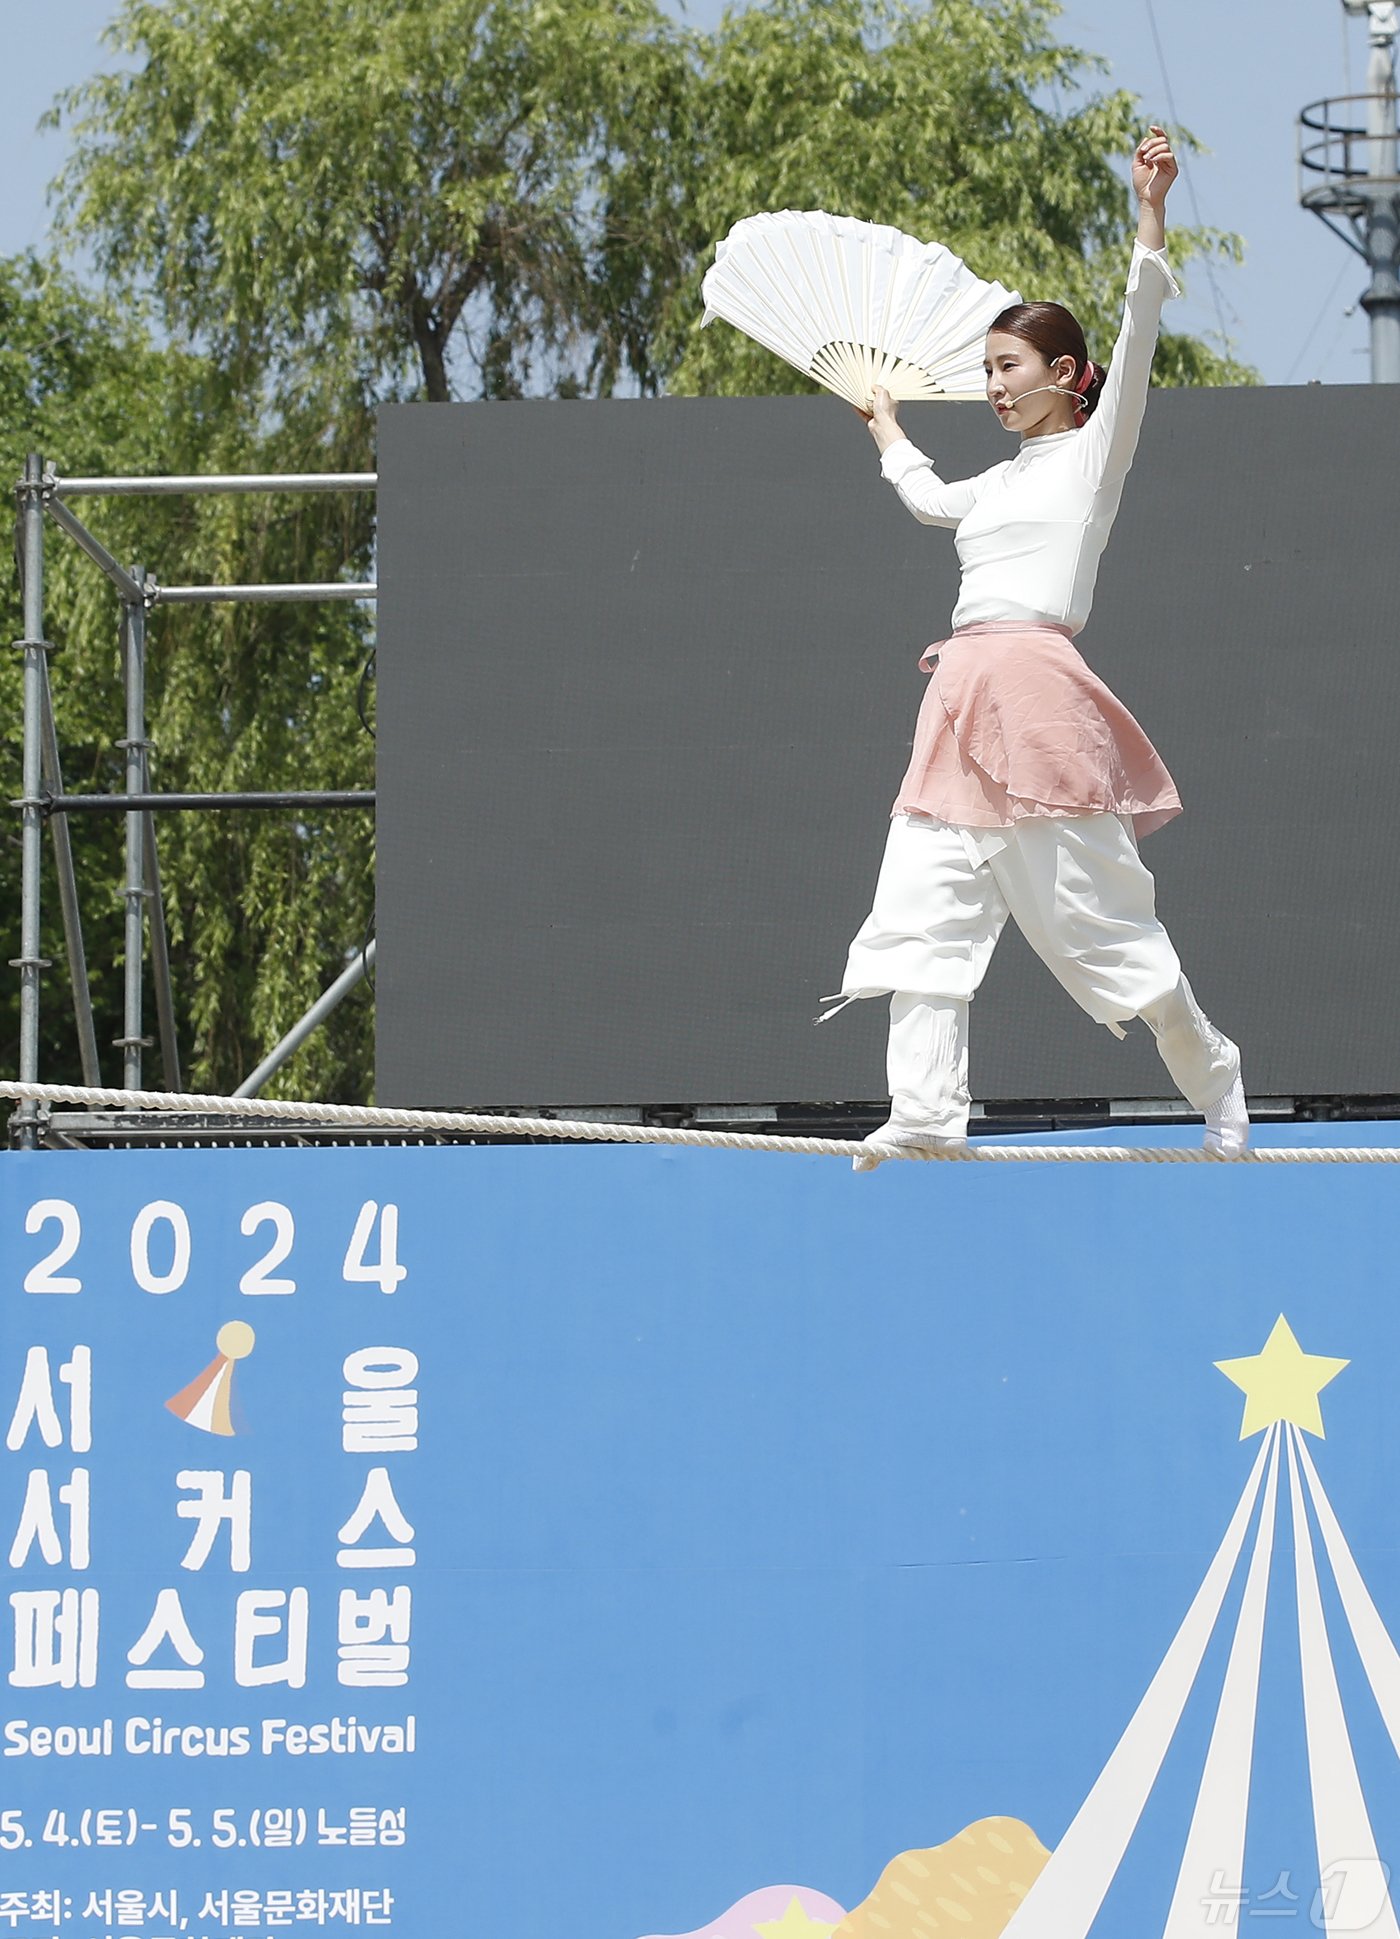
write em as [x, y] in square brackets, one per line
[1109, 439]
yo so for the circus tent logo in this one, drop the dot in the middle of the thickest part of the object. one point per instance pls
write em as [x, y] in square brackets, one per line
[207, 1403]
[1033, 1894]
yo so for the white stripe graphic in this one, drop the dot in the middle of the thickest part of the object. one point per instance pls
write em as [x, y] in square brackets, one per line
[1379, 1657]
[1355, 1898]
[1064, 1901]
[1210, 1884]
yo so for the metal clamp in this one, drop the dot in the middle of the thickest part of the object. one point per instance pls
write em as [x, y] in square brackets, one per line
[29, 1120]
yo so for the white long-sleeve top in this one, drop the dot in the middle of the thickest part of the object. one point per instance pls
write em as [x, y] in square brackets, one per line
[1030, 532]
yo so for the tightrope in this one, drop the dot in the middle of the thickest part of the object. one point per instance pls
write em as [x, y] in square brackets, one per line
[375, 1117]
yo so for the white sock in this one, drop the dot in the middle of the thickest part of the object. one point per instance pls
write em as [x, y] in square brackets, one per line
[1196, 1054]
[889, 1135]
[1227, 1123]
[926, 1063]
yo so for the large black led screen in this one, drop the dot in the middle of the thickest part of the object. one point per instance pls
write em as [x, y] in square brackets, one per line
[647, 683]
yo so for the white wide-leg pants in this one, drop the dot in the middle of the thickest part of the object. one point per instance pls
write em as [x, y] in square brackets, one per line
[1082, 897]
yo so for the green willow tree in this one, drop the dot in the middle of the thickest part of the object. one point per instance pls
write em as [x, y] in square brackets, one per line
[301, 209]
[497, 198]
[399, 192]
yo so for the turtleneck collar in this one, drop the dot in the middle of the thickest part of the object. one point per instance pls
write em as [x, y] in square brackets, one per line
[1051, 440]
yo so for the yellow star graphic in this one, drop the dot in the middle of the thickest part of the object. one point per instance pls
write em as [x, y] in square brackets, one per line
[1282, 1383]
[795, 1924]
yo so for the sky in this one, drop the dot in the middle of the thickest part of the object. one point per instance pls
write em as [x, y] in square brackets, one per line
[1236, 71]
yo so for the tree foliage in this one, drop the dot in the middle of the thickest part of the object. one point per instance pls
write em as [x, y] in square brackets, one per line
[937, 119]
[383, 189]
[502, 197]
[299, 209]
[261, 908]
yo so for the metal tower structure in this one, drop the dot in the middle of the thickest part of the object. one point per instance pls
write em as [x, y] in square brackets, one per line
[1349, 175]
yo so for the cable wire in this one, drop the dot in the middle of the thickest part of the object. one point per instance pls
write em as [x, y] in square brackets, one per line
[1317, 322]
[1187, 176]
[368, 672]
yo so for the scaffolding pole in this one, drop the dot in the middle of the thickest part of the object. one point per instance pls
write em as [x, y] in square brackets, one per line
[134, 893]
[259, 595]
[68, 895]
[34, 648]
[211, 482]
[129, 589]
[118, 804]
[353, 974]
[160, 964]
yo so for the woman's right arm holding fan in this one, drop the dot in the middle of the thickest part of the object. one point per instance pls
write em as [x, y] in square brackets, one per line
[932, 500]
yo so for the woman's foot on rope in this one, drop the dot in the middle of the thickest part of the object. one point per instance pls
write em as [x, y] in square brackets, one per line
[890, 1136]
[1227, 1123]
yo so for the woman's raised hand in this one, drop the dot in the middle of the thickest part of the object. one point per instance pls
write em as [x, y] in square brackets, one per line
[884, 425]
[1154, 168]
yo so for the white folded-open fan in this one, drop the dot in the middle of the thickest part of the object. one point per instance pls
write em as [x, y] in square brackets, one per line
[855, 304]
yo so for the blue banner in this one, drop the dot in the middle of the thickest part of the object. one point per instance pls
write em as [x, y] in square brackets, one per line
[615, 1543]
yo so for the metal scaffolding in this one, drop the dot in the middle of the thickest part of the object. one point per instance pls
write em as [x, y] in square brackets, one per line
[44, 802]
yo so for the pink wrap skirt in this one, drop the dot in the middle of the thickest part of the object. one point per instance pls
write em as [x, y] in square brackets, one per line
[1014, 724]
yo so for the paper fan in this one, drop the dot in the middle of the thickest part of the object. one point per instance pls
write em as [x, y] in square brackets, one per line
[855, 304]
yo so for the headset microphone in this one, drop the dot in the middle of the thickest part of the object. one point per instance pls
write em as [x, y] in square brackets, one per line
[1059, 390]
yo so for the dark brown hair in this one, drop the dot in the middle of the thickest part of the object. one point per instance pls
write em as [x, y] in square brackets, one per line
[1055, 332]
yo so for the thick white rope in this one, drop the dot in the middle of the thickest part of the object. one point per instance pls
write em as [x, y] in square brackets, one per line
[376, 1117]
